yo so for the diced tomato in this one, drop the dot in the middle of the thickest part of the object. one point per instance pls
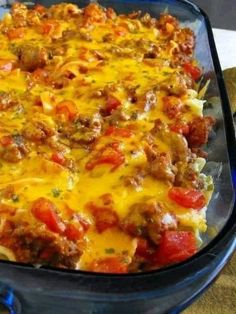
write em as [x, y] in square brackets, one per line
[174, 247]
[189, 198]
[85, 224]
[180, 127]
[58, 157]
[15, 33]
[74, 232]
[193, 70]
[105, 217]
[6, 140]
[110, 154]
[45, 211]
[48, 27]
[112, 103]
[122, 132]
[68, 108]
[112, 265]
[6, 65]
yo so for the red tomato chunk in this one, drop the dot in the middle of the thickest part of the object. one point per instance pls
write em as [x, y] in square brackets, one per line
[194, 71]
[112, 103]
[112, 265]
[74, 232]
[121, 132]
[68, 109]
[45, 211]
[174, 247]
[188, 198]
[110, 154]
[58, 157]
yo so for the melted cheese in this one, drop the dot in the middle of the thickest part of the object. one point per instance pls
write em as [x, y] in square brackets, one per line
[37, 176]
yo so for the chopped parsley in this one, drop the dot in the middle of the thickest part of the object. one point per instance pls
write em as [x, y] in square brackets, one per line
[56, 192]
[15, 198]
[110, 250]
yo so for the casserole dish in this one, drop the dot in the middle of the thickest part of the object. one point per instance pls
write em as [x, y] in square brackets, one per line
[90, 292]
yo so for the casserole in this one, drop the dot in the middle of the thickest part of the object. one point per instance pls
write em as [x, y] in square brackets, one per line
[135, 136]
[149, 282]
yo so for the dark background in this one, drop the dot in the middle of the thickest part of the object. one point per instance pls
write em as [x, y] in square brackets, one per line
[222, 13]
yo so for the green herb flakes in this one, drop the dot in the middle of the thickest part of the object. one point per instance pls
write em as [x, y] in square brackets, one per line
[15, 198]
[56, 192]
[110, 251]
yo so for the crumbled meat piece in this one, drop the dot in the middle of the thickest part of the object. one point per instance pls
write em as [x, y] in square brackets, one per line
[148, 21]
[134, 15]
[161, 167]
[8, 191]
[167, 24]
[148, 48]
[199, 152]
[33, 18]
[179, 59]
[70, 164]
[87, 129]
[108, 38]
[39, 246]
[38, 130]
[187, 176]
[59, 49]
[134, 181]
[104, 215]
[19, 14]
[185, 38]
[177, 143]
[31, 57]
[64, 11]
[146, 219]
[179, 147]
[132, 93]
[172, 106]
[199, 130]
[158, 126]
[68, 34]
[176, 84]
[150, 55]
[7, 210]
[55, 143]
[7, 101]
[15, 151]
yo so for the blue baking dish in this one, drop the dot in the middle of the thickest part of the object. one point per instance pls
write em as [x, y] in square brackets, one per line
[25, 289]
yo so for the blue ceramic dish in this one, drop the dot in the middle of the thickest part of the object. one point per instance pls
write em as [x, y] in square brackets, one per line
[27, 290]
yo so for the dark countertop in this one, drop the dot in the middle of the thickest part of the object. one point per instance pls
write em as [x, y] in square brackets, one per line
[222, 13]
